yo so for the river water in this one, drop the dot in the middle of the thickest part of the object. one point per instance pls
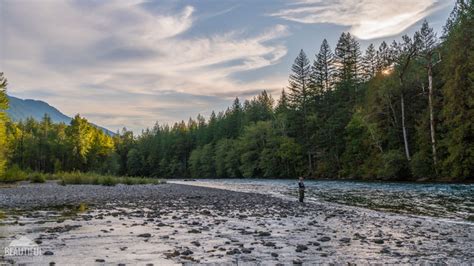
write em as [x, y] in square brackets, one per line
[449, 201]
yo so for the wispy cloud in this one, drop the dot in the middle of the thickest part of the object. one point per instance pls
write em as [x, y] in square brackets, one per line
[367, 19]
[89, 54]
[133, 62]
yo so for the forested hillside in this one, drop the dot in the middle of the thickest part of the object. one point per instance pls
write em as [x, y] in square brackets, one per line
[400, 111]
[20, 110]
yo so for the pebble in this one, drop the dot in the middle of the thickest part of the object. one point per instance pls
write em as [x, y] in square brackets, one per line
[233, 252]
[187, 252]
[345, 240]
[301, 248]
[324, 239]
[378, 241]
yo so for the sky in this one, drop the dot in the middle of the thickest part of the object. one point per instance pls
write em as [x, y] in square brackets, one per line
[132, 63]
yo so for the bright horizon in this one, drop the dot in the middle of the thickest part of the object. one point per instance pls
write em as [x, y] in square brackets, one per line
[133, 63]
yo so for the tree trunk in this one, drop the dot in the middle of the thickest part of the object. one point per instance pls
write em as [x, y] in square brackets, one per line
[430, 102]
[405, 135]
[310, 164]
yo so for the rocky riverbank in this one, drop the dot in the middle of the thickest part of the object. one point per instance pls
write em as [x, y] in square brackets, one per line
[173, 224]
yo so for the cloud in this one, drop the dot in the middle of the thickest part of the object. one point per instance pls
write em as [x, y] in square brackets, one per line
[367, 19]
[102, 57]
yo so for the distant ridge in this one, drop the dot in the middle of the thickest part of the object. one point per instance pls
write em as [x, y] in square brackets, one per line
[20, 109]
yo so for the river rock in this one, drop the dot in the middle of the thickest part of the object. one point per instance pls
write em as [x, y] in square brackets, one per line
[324, 239]
[301, 248]
[378, 241]
[345, 240]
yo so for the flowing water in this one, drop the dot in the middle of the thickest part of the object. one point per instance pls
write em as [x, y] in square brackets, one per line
[449, 201]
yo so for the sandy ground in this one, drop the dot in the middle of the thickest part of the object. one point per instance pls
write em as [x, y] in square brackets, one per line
[181, 224]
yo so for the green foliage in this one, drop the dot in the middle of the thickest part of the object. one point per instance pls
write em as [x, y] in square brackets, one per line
[37, 178]
[13, 174]
[394, 166]
[227, 159]
[422, 166]
[134, 162]
[46, 147]
[78, 178]
[3, 122]
[458, 92]
[202, 162]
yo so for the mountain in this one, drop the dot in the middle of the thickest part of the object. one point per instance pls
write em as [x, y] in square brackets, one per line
[20, 109]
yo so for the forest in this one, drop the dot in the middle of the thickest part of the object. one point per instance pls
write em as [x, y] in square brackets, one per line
[403, 111]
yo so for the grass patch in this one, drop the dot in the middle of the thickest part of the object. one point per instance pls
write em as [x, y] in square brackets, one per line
[78, 178]
[2, 215]
[82, 207]
[15, 174]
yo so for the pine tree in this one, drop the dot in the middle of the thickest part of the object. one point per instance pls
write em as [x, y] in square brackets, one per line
[300, 96]
[460, 8]
[347, 57]
[322, 70]
[369, 63]
[235, 119]
[299, 82]
[383, 57]
[458, 92]
[281, 112]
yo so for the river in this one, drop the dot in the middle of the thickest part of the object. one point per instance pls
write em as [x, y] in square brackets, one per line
[448, 201]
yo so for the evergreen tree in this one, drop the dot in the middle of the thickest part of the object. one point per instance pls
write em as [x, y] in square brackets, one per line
[369, 63]
[299, 82]
[347, 57]
[299, 97]
[322, 70]
[282, 112]
[134, 163]
[458, 92]
[384, 58]
[3, 121]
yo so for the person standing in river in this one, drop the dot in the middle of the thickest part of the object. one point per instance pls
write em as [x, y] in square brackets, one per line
[301, 188]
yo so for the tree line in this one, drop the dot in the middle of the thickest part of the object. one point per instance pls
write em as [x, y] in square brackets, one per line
[400, 111]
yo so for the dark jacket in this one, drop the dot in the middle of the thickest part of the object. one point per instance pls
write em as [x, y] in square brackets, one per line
[301, 185]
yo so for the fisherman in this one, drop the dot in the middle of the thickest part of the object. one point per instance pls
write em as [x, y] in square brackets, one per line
[301, 188]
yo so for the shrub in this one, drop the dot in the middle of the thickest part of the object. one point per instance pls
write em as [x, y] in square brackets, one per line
[108, 181]
[13, 174]
[37, 178]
